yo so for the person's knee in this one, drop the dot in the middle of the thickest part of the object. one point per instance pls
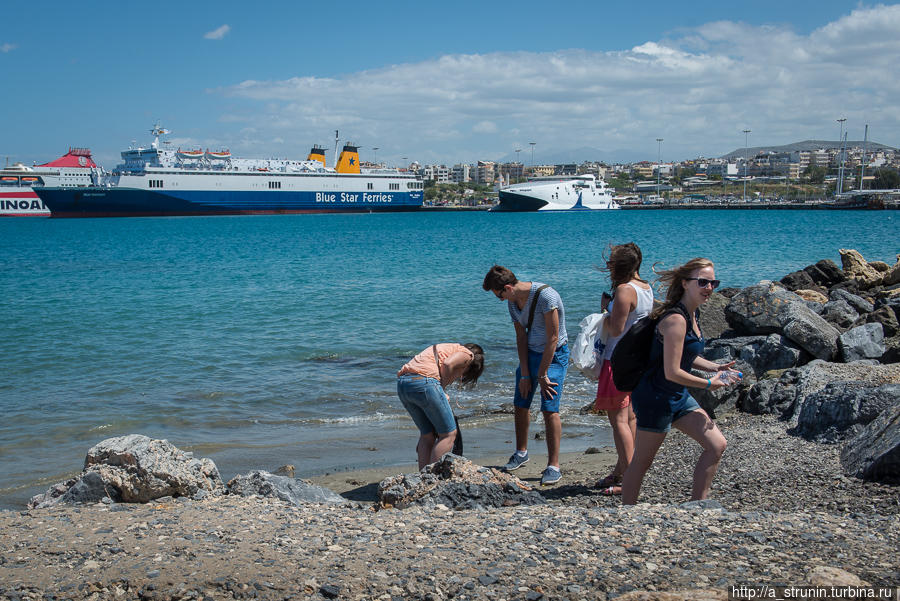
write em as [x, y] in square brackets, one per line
[719, 446]
[451, 435]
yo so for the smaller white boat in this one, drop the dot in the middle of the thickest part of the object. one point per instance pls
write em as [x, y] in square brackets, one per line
[570, 193]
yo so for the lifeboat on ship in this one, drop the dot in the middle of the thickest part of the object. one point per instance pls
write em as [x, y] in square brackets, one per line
[222, 155]
[189, 154]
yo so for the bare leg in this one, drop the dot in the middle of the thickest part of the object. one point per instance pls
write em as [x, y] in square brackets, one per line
[423, 449]
[553, 428]
[623, 436]
[443, 445]
[698, 426]
[522, 421]
[646, 444]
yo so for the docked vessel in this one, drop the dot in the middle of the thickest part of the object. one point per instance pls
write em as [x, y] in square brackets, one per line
[157, 181]
[578, 193]
[18, 182]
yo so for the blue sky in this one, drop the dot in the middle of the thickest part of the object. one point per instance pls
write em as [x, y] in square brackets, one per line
[445, 82]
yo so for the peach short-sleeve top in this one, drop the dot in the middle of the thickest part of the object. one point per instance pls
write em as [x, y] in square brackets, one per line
[423, 364]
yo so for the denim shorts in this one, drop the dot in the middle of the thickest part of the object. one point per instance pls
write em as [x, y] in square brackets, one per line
[426, 403]
[556, 372]
[657, 409]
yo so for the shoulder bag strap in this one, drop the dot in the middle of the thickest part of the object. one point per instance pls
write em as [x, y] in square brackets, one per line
[534, 302]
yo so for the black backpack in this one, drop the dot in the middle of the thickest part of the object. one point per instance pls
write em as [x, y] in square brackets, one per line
[631, 357]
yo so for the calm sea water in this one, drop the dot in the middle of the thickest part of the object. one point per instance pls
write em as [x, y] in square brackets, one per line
[261, 341]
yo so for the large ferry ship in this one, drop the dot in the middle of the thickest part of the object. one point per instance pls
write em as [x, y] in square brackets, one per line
[159, 181]
[578, 193]
[18, 181]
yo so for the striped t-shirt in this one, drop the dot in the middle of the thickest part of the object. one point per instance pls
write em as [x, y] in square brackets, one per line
[549, 300]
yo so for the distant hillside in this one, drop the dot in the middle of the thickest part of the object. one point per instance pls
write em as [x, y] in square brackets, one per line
[558, 156]
[805, 145]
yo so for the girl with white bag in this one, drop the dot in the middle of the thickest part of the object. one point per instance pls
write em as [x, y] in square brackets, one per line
[632, 299]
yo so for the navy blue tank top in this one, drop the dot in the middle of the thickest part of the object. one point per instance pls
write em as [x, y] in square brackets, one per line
[692, 347]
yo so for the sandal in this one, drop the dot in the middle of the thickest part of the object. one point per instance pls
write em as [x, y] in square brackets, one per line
[610, 480]
[611, 491]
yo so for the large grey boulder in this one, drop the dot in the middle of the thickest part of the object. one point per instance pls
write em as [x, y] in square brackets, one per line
[841, 409]
[713, 323]
[760, 353]
[839, 313]
[862, 342]
[874, 453]
[808, 330]
[787, 396]
[456, 482]
[135, 469]
[296, 492]
[860, 304]
[756, 309]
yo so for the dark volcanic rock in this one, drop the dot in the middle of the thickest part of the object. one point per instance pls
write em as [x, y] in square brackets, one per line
[798, 280]
[809, 331]
[883, 315]
[456, 482]
[832, 413]
[874, 453]
[857, 302]
[295, 492]
[825, 273]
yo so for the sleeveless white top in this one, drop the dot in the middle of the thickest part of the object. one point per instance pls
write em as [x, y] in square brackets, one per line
[642, 309]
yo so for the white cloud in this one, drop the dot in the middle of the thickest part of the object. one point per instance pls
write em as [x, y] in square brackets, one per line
[217, 34]
[8, 48]
[697, 91]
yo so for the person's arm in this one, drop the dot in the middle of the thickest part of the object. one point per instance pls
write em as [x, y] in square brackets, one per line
[707, 365]
[551, 325]
[625, 303]
[522, 348]
[673, 328]
[454, 366]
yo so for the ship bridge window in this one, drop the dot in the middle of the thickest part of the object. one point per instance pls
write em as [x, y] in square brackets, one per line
[371, 186]
[274, 185]
[155, 183]
[393, 186]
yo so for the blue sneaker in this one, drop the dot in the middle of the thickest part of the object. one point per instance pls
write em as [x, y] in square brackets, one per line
[515, 462]
[550, 476]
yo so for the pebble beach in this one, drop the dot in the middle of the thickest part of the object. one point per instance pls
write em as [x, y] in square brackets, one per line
[780, 513]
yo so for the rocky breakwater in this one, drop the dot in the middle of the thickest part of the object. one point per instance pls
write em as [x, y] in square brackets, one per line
[819, 349]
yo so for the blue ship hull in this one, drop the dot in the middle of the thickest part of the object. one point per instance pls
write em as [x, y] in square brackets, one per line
[133, 202]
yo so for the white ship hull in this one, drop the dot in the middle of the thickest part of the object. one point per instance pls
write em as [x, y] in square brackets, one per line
[577, 193]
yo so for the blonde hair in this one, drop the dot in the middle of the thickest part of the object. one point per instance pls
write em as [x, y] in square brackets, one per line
[674, 280]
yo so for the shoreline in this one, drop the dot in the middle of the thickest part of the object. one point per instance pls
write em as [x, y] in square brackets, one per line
[780, 512]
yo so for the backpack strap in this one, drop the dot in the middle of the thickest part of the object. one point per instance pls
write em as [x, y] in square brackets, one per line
[534, 302]
[437, 362]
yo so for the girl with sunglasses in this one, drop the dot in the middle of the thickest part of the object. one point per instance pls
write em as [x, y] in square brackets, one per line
[632, 299]
[661, 399]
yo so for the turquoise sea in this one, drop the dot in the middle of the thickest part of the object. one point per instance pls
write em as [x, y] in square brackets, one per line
[263, 341]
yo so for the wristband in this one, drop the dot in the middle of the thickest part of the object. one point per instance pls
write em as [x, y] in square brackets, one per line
[708, 383]
[524, 378]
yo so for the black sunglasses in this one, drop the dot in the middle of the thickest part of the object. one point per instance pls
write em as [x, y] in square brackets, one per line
[703, 282]
[499, 293]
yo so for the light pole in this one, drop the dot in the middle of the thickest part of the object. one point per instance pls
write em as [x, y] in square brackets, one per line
[746, 160]
[840, 185]
[659, 142]
[375, 150]
[532, 154]
[518, 164]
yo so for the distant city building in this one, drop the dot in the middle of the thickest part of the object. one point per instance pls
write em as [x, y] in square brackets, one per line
[461, 173]
[485, 172]
[512, 171]
[437, 173]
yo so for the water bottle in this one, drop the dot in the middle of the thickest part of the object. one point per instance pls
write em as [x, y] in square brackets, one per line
[729, 376]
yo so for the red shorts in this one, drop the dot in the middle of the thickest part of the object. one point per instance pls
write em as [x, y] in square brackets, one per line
[608, 396]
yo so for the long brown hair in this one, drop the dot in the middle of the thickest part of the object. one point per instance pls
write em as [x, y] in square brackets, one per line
[674, 279]
[473, 371]
[623, 263]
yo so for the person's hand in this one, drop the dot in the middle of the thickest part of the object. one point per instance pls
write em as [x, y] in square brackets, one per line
[725, 366]
[546, 387]
[604, 301]
[524, 387]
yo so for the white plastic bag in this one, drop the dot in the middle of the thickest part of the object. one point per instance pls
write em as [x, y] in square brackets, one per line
[584, 353]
